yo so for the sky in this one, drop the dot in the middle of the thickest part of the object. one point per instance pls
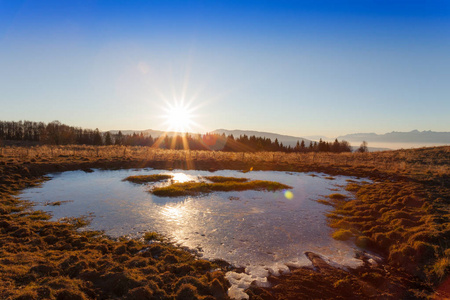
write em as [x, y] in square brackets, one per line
[291, 67]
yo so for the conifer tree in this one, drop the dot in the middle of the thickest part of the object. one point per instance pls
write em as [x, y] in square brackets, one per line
[108, 139]
[119, 138]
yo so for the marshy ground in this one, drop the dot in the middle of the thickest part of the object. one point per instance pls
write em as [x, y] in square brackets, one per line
[403, 215]
[216, 184]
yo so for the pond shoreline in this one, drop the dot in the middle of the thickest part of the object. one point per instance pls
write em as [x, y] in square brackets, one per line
[21, 229]
[263, 231]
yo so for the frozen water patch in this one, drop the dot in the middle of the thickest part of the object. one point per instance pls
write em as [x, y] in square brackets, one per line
[263, 232]
[258, 274]
[241, 281]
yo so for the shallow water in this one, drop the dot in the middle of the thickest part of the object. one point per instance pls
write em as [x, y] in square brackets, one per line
[262, 231]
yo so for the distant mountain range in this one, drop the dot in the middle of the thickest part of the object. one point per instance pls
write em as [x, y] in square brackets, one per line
[385, 141]
[414, 136]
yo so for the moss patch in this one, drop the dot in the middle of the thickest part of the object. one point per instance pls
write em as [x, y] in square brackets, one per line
[342, 235]
[217, 179]
[404, 220]
[196, 188]
[148, 178]
[153, 236]
[352, 187]
[76, 222]
[324, 202]
[337, 196]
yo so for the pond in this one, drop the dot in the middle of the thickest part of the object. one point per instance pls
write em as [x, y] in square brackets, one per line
[265, 232]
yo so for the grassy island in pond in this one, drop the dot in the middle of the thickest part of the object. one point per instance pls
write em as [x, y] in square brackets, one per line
[225, 179]
[148, 178]
[196, 188]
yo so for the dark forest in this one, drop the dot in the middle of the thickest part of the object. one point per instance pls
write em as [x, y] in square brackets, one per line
[56, 133]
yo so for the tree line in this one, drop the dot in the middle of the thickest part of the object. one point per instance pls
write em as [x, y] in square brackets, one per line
[56, 133]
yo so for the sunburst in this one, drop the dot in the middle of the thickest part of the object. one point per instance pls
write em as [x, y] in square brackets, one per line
[179, 117]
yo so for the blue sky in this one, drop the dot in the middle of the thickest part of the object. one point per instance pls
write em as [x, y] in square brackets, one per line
[292, 67]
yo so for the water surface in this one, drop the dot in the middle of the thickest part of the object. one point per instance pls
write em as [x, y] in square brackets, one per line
[261, 231]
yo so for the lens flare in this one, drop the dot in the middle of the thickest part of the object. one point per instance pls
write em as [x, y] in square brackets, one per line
[289, 195]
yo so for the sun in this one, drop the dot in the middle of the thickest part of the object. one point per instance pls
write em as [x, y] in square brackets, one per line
[178, 118]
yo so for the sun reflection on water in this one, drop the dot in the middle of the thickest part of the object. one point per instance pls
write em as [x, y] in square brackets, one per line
[180, 213]
[182, 220]
[174, 213]
[181, 177]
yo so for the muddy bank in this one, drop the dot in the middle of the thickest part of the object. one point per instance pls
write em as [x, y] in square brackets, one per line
[41, 259]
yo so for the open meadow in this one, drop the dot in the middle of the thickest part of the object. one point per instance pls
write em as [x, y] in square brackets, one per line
[401, 215]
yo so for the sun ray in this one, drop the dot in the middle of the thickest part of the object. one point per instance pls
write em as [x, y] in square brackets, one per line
[178, 117]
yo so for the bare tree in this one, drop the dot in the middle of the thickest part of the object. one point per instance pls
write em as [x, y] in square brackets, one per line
[363, 148]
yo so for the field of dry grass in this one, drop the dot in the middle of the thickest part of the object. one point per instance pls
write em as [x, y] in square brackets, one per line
[403, 215]
[420, 161]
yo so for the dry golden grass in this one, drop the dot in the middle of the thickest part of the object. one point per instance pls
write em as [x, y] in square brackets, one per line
[404, 214]
[420, 161]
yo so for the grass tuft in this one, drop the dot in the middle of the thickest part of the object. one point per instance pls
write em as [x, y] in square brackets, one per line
[217, 179]
[325, 202]
[352, 187]
[76, 222]
[39, 215]
[148, 178]
[342, 235]
[442, 267]
[337, 196]
[153, 236]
